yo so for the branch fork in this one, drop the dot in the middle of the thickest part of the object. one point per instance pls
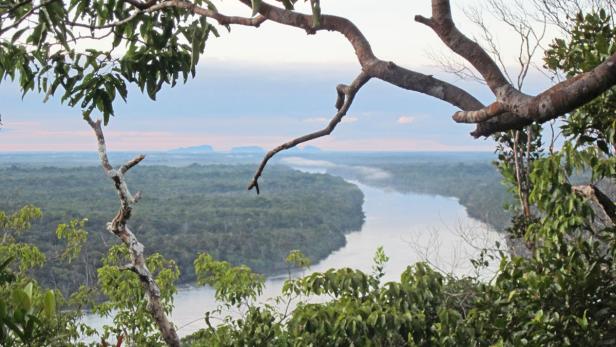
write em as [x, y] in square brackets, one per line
[119, 227]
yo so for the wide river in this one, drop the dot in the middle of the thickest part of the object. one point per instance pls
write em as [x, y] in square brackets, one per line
[410, 227]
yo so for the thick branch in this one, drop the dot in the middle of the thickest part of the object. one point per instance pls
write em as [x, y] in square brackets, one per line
[480, 115]
[558, 100]
[119, 227]
[601, 202]
[513, 109]
[373, 66]
[443, 25]
[511, 103]
[344, 99]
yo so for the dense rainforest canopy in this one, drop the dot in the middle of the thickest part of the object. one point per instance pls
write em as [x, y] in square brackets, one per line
[188, 210]
[555, 287]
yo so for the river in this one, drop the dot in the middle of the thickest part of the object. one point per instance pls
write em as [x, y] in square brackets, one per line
[410, 227]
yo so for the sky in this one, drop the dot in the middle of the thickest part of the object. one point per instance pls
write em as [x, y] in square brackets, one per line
[262, 87]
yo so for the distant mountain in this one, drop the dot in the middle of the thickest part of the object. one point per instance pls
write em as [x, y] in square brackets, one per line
[194, 149]
[247, 149]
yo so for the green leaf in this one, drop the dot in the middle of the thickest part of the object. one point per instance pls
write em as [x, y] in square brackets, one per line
[49, 304]
[603, 146]
[316, 13]
[17, 34]
[256, 4]
[288, 4]
[151, 86]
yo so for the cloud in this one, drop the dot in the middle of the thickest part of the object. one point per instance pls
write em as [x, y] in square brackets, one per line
[367, 172]
[323, 120]
[349, 119]
[372, 173]
[406, 120]
[316, 120]
[302, 162]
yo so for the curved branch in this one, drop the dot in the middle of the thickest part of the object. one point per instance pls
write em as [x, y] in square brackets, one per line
[442, 24]
[491, 111]
[345, 97]
[372, 65]
[513, 109]
[222, 19]
[556, 101]
[119, 227]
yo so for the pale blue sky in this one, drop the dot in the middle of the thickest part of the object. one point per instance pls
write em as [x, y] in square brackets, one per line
[264, 86]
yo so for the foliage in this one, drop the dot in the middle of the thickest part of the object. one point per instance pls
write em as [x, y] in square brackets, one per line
[124, 296]
[75, 235]
[562, 294]
[232, 284]
[44, 45]
[31, 315]
[185, 211]
[593, 123]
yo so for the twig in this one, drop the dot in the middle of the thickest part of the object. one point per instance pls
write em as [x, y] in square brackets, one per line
[346, 94]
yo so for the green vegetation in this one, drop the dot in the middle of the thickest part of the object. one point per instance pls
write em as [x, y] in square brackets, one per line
[30, 314]
[185, 211]
[562, 293]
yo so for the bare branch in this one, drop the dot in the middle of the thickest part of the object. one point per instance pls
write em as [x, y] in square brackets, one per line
[373, 66]
[552, 103]
[102, 148]
[153, 6]
[443, 25]
[345, 96]
[118, 226]
[26, 15]
[601, 202]
[131, 163]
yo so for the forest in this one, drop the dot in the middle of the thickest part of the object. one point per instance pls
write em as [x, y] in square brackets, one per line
[188, 210]
[554, 143]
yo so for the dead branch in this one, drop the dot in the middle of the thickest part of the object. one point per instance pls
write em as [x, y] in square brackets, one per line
[346, 94]
[600, 202]
[118, 226]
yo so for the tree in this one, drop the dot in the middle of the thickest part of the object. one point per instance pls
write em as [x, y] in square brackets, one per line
[30, 314]
[41, 46]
